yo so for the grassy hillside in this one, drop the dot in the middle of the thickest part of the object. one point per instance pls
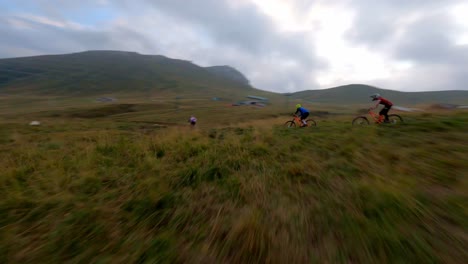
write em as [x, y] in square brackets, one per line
[359, 94]
[110, 72]
[131, 75]
[228, 72]
[110, 190]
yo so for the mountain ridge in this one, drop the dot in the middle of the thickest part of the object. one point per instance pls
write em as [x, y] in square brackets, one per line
[228, 72]
[97, 72]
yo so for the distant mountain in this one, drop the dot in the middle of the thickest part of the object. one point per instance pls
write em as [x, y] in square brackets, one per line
[229, 73]
[93, 73]
[359, 94]
[98, 72]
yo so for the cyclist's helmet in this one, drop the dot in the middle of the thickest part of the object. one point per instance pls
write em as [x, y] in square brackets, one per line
[298, 106]
[375, 96]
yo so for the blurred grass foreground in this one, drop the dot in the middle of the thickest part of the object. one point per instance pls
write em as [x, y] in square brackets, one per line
[88, 192]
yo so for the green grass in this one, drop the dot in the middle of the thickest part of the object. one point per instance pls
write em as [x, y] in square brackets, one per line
[235, 190]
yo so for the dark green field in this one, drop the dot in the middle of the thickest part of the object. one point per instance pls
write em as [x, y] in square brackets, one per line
[107, 185]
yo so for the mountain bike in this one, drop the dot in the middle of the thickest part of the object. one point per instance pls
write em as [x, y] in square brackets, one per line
[297, 122]
[378, 119]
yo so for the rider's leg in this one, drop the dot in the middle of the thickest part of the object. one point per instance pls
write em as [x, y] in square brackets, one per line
[384, 112]
[303, 118]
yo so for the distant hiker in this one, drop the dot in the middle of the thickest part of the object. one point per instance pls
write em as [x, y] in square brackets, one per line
[386, 103]
[192, 120]
[302, 113]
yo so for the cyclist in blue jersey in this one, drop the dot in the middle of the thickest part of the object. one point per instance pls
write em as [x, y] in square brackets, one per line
[302, 113]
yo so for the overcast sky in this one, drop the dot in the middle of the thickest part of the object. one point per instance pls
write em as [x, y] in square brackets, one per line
[280, 45]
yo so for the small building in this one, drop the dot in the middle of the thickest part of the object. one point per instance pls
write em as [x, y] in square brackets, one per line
[263, 99]
[106, 99]
[251, 103]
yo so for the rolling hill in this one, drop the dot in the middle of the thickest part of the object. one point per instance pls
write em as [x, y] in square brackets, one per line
[229, 73]
[94, 73]
[359, 93]
[103, 72]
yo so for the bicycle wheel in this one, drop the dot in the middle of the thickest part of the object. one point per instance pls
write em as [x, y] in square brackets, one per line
[311, 123]
[290, 124]
[360, 121]
[395, 119]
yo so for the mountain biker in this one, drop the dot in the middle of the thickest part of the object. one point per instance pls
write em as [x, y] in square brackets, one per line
[303, 114]
[386, 103]
[192, 120]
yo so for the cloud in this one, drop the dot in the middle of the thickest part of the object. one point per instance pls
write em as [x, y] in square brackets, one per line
[377, 22]
[439, 63]
[422, 33]
[242, 26]
[244, 29]
[40, 35]
[432, 39]
[432, 77]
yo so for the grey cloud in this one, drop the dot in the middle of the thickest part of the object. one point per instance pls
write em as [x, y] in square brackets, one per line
[377, 22]
[427, 40]
[245, 27]
[438, 62]
[46, 39]
[287, 80]
[428, 77]
[248, 30]
[431, 40]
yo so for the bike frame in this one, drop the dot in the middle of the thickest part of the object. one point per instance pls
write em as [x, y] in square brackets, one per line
[297, 120]
[377, 118]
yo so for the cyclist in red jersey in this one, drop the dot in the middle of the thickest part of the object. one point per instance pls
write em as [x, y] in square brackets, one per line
[386, 103]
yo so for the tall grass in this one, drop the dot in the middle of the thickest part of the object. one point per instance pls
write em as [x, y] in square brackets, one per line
[252, 193]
